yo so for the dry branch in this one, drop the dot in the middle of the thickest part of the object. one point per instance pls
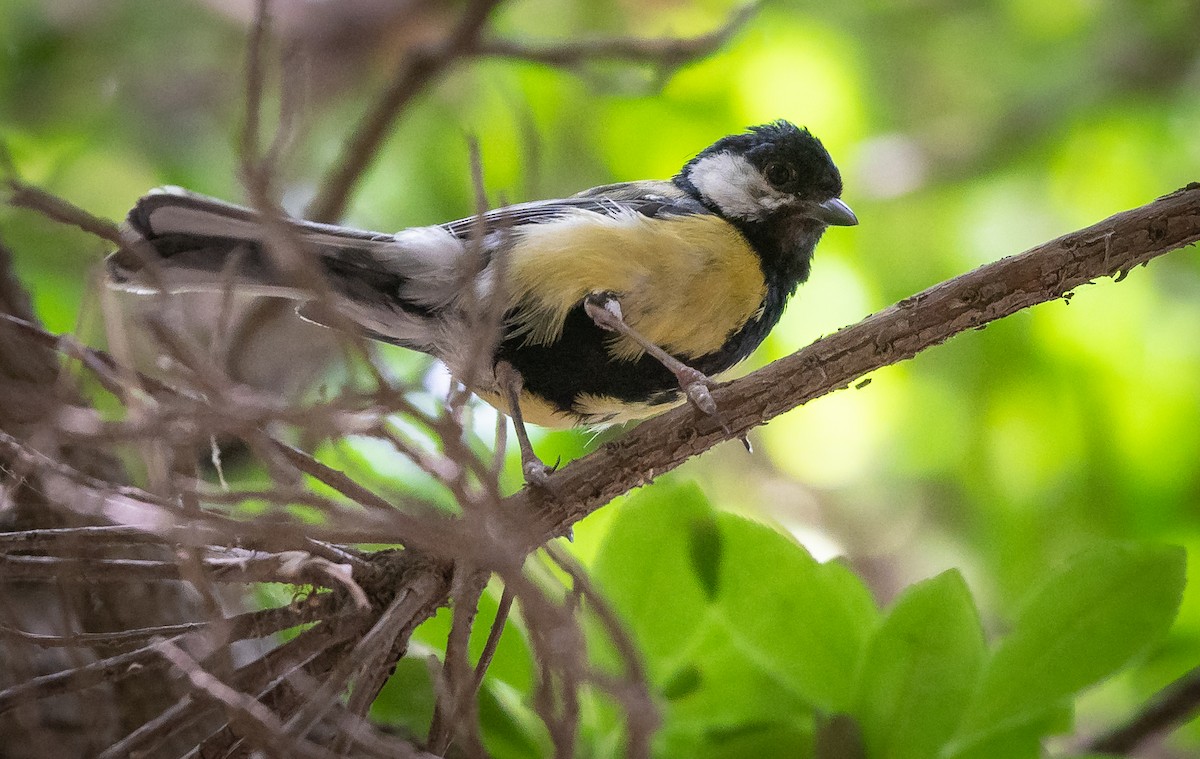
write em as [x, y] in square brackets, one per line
[1171, 707]
[412, 77]
[668, 53]
[422, 67]
[24, 195]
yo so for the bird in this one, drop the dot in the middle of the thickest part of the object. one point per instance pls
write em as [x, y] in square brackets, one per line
[613, 304]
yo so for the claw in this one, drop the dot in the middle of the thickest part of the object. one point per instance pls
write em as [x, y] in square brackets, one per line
[698, 394]
[536, 473]
[695, 385]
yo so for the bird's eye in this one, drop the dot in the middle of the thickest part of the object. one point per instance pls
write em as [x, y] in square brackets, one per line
[780, 174]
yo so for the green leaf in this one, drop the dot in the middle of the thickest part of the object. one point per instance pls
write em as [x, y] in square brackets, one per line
[406, 700]
[765, 741]
[683, 683]
[647, 569]
[803, 621]
[510, 729]
[725, 687]
[1086, 621]
[920, 670]
[1018, 740]
[756, 740]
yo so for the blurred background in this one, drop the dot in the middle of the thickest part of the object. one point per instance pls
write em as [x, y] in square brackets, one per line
[966, 131]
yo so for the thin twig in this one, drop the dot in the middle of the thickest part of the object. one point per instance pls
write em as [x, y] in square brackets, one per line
[493, 639]
[255, 720]
[251, 624]
[24, 195]
[456, 692]
[372, 650]
[412, 77]
[271, 678]
[295, 567]
[254, 81]
[642, 717]
[668, 53]
[1166, 710]
[174, 718]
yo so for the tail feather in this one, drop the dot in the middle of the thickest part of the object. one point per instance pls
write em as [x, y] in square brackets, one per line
[392, 285]
[189, 238]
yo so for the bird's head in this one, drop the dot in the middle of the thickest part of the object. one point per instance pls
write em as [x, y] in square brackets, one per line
[776, 173]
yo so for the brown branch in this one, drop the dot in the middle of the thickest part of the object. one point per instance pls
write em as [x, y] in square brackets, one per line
[244, 626]
[1109, 248]
[668, 53]
[174, 719]
[247, 712]
[1169, 708]
[268, 677]
[493, 638]
[254, 76]
[24, 195]
[454, 712]
[413, 76]
[633, 689]
[375, 650]
[424, 66]
[65, 681]
[295, 567]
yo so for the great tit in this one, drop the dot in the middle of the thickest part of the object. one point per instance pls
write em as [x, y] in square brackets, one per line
[618, 302]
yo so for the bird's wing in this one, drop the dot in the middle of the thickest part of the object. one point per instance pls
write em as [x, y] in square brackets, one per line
[646, 198]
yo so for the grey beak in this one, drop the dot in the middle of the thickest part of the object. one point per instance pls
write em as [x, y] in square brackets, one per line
[834, 213]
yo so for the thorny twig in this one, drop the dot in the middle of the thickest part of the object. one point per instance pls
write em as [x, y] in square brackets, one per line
[968, 301]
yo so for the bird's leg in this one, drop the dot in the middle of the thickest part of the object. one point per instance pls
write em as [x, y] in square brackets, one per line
[511, 383]
[604, 309]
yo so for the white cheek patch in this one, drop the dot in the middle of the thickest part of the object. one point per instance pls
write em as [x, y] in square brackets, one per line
[732, 184]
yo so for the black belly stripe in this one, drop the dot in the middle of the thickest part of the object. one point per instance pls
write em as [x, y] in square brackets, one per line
[579, 364]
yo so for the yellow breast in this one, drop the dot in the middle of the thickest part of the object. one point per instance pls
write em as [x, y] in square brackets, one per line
[685, 283]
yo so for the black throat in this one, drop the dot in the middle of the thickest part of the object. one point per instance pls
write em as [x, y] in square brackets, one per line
[783, 243]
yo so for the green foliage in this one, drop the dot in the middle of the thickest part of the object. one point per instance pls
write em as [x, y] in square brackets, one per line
[1085, 621]
[754, 649]
[774, 658]
[920, 670]
[1047, 452]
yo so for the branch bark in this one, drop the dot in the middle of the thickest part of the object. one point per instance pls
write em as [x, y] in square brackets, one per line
[32, 393]
[1109, 248]
[1169, 708]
